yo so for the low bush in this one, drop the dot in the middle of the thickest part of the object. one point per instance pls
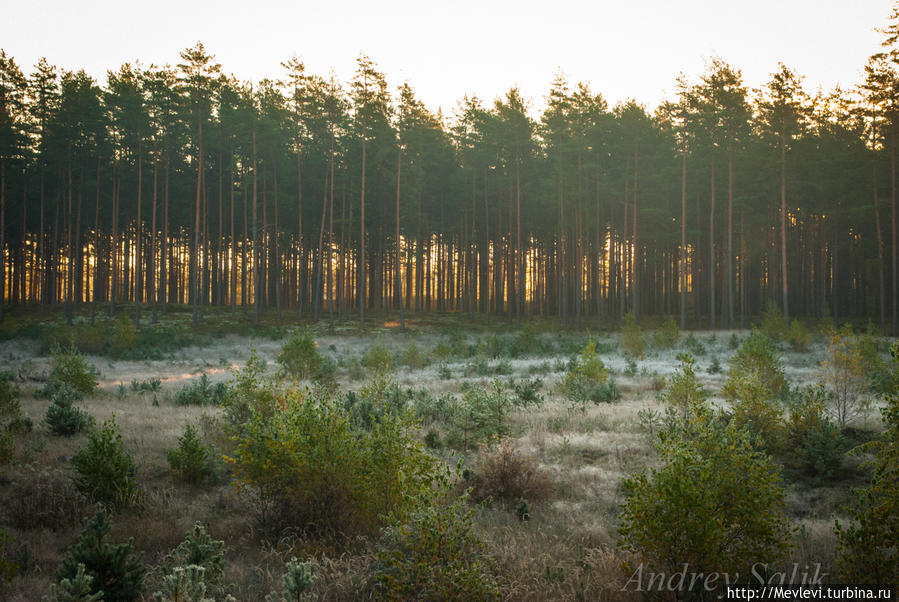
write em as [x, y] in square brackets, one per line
[756, 361]
[504, 474]
[116, 569]
[667, 336]
[378, 358]
[299, 357]
[193, 460]
[684, 393]
[774, 325]
[527, 392]
[755, 410]
[798, 336]
[105, 470]
[201, 393]
[63, 417]
[11, 420]
[584, 374]
[413, 358]
[434, 554]
[201, 550]
[823, 450]
[69, 368]
[632, 336]
[311, 469]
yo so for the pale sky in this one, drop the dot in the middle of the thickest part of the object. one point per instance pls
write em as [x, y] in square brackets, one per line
[482, 47]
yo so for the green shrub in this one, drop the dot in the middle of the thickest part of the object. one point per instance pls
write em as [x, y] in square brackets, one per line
[116, 569]
[193, 460]
[716, 504]
[443, 372]
[844, 373]
[667, 336]
[430, 408]
[527, 392]
[807, 409]
[201, 393]
[413, 358]
[201, 550]
[312, 469]
[62, 417]
[586, 372]
[755, 410]
[434, 555]
[105, 471]
[299, 357]
[774, 325]
[10, 417]
[823, 450]
[684, 393]
[756, 362]
[526, 341]
[799, 336]
[248, 395]
[76, 589]
[68, 367]
[694, 345]
[8, 569]
[295, 582]
[868, 550]
[632, 336]
[377, 358]
[481, 414]
[184, 584]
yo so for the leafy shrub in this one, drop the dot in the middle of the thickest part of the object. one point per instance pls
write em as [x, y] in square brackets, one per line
[62, 417]
[715, 366]
[823, 449]
[151, 385]
[68, 367]
[193, 460]
[105, 471]
[807, 411]
[755, 410]
[632, 336]
[798, 336]
[443, 372]
[667, 335]
[434, 555]
[527, 392]
[430, 408]
[481, 414]
[607, 392]
[377, 358]
[432, 439]
[694, 345]
[116, 569]
[504, 474]
[248, 395]
[868, 551]
[844, 374]
[201, 393]
[299, 357]
[586, 372]
[756, 362]
[526, 341]
[684, 391]
[716, 504]
[413, 358]
[184, 584]
[774, 325]
[312, 469]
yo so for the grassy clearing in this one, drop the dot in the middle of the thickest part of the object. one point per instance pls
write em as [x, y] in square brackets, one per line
[565, 550]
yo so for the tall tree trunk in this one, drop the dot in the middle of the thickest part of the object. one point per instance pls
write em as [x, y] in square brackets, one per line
[195, 284]
[138, 293]
[153, 291]
[730, 240]
[398, 285]
[683, 240]
[712, 250]
[256, 291]
[881, 267]
[783, 226]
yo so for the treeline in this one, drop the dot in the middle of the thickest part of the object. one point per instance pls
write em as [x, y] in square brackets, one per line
[181, 185]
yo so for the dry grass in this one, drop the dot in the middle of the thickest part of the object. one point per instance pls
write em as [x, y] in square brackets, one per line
[566, 551]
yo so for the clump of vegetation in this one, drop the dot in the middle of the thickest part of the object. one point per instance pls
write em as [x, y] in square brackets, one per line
[311, 468]
[868, 551]
[197, 564]
[247, 395]
[74, 589]
[434, 555]
[430, 408]
[105, 470]
[481, 414]
[694, 345]
[756, 361]
[667, 336]
[11, 421]
[116, 569]
[193, 460]
[684, 393]
[8, 569]
[413, 358]
[63, 417]
[798, 336]
[201, 393]
[295, 582]
[844, 375]
[724, 496]
[504, 474]
[299, 356]
[755, 410]
[377, 358]
[151, 385]
[44, 499]
[527, 392]
[69, 368]
[774, 325]
[632, 336]
[584, 375]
